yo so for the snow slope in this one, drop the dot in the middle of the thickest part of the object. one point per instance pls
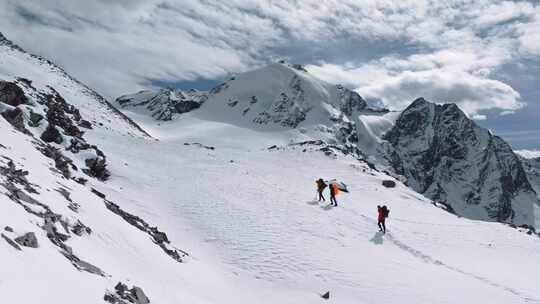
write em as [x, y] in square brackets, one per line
[243, 211]
[257, 217]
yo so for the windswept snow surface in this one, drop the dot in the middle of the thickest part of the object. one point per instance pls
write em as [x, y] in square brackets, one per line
[249, 216]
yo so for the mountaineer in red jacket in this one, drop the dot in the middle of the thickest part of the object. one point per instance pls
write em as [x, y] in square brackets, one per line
[382, 214]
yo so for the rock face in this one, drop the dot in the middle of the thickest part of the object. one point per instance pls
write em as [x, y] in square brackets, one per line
[446, 156]
[164, 103]
[532, 168]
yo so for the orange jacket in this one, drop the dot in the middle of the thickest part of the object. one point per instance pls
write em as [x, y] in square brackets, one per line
[334, 190]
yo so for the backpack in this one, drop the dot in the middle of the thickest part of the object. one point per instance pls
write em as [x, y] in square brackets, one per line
[386, 211]
[321, 185]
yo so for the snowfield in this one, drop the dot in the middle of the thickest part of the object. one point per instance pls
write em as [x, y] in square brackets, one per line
[251, 212]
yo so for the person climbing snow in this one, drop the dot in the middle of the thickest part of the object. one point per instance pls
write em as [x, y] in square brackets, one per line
[321, 185]
[334, 190]
[383, 213]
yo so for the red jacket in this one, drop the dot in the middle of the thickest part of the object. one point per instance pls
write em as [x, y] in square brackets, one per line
[381, 214]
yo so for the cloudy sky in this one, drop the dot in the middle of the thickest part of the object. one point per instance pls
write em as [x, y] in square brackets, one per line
[482, 55]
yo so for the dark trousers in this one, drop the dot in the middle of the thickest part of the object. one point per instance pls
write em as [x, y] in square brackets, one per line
[321, 197]
[382, 226]
[333, 200]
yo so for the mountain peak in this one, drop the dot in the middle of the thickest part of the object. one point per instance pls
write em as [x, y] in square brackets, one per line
[420, 101]
[447, 157]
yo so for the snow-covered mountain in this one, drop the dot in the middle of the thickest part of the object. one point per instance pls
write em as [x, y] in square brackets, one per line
[437, 149]
[165, 103]
[277, 97]
[447, 157]
[216, 208]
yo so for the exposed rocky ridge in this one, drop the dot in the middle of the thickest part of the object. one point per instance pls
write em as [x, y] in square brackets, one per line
[165, 103]
[532, 168]
[61, 127]
[446, 156]
[55, 69]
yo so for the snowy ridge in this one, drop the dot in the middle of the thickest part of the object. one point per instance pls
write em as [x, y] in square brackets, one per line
[279, 95]
[16, 63]
[165, 103]
[446, 156]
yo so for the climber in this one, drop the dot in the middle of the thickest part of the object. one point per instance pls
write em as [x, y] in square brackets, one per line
[320, 188]
[381, 218]
[334, 190]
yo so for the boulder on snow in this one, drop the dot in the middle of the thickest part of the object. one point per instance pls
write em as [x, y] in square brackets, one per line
[11, 94]
[389, 183]
[8, 229]
[27, 240]
[326, 295]
[85, 124]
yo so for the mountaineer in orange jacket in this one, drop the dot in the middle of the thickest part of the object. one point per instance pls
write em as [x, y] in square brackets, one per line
[334, 190]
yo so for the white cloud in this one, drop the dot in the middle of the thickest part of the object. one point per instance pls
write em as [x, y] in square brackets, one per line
[507, 112]
[479, 117]
[442, 50]
[529, 34]
[443, 76]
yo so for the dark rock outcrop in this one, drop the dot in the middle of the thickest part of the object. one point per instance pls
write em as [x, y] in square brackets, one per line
[446, 156]
[16, 118]
[52, 135]
[27, 240]
[97, 167]
[123, 295]
[11, 94]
